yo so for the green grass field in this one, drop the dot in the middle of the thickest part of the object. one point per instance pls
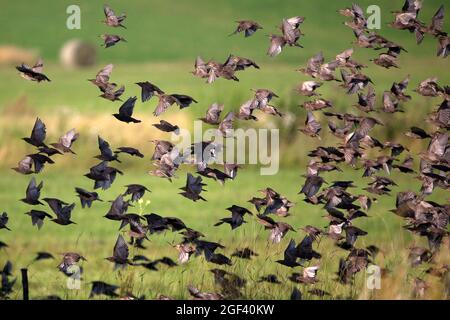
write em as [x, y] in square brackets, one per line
[164, 37]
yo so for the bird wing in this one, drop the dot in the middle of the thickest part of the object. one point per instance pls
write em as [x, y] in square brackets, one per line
[39, 132]
[121, 249]
[127, 107]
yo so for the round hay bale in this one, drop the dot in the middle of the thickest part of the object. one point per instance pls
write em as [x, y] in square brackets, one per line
[78, 53]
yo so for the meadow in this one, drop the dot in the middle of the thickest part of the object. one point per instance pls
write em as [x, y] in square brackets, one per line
[164, 37]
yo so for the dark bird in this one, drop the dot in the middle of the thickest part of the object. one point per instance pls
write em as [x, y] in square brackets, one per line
[111, 19]
[106, 153]
[166, 127]
[110, 40]
[4, 221]
[33, 73]
[38, 134]
[237, 217]
[290, 256]
[102, 175]
[118, 209]
[166, 100]
[120, 254]
[87, 197]
[366, 102]
[271, 278]
[148, 90]
[137, 191]
[398, 89]
[312, 186]
[130, 151]
[37, 217]
[6, 284]
[249, 27]
[39, 160]
[305, 250]
[103, 288]
[245, 253]
[417, 133]
[126, 111]
[193, 188]
[217, 258]
[215, 174]
[351, 234]
[406, 166]
[33, 193]
[62, 210]
[65, 142]
[43, 256]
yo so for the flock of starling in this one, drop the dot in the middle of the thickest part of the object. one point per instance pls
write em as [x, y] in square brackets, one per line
[356, 148]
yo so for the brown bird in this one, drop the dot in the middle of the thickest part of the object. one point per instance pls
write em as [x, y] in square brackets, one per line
[317, 104]
[112, 19]
[194, 292]
[111, 94]
[308, 88]
[24, 166]
[110, 40]
[390, 104]
[249, 27]
[33, 73]
[308, 275]
[278, 229]
[102, 78]
[65, 142]
[166, 100]
[226, 125]
[312, 126]
[443, 46]
[386, 61]
[277, 43]
[213, 114]
[70, 259]
[429, 88]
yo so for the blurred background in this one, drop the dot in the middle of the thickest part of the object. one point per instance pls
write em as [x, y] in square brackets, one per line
[163, 40]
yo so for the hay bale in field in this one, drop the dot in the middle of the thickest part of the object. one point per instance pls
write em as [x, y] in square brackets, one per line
[77, 53]
[10, 54]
